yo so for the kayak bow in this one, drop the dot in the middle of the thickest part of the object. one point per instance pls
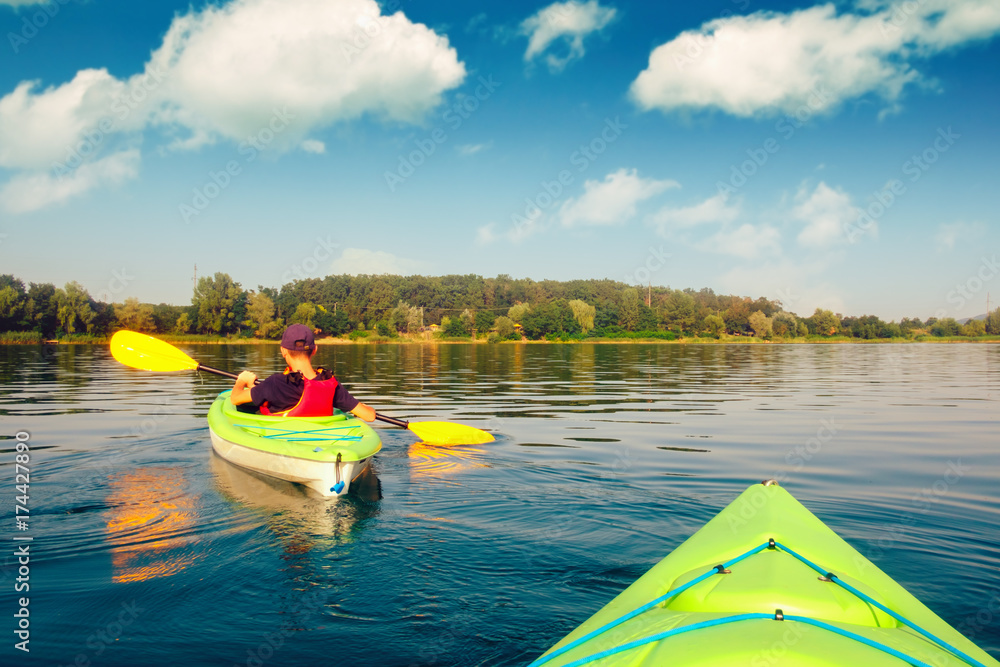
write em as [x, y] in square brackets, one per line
[765, 582]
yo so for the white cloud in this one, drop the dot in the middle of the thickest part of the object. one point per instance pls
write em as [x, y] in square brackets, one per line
[611, 201]
[323, 61]
[472, 149]
[746, 241]
[808, 60]
[524, 227]
[313, 146]
[37, 129]
[358, 261]
[277, 69]
[800, 287]
[567, 21]
[32, 191]
[950, 233]
[827, 214]
[713, 210]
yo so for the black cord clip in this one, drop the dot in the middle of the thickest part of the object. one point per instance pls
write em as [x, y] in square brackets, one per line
[721, 569]
[779, 615]
[770, 543]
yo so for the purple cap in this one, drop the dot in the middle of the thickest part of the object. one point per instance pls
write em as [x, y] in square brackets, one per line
[298, 337]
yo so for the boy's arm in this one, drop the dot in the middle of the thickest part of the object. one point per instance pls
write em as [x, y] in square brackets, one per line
[241, 389]
[365, 412]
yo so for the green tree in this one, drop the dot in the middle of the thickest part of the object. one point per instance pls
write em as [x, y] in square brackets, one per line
[552, 318]
[74, 311]
[974, 328]
[680, 312]
[484, 321]
[261, 311]
[134, 316]
[405, 317]
[737, 315]
[517, 311]
[41, 309]
[221, 304]
[946, 327]
[455, 326]
[335, 324]
[468, 321]
[13, 303]
[183, 324]
[824, 322]
[802, 329]
[993, 322]
[584, 314]
[784, 324]
[505, 328]
[760, 323]
[628, 314]
[304, 314]
[715, 325]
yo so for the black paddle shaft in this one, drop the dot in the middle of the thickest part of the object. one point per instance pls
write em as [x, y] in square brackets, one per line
[382, 418]
[216, 371]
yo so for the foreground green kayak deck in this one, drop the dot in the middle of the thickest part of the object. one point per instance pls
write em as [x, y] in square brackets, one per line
[749, 588]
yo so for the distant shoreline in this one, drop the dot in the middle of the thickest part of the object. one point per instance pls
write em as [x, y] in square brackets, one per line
[728, 340]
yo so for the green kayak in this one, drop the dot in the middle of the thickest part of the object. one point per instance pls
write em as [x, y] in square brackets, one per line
[324, 453]
[765, 583]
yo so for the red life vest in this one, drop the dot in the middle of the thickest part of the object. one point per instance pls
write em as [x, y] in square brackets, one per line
[316, 399]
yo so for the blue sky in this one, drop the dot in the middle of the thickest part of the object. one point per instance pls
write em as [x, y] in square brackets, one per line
[834, 155]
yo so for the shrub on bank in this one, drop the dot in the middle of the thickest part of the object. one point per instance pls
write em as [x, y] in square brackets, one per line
[20, 337]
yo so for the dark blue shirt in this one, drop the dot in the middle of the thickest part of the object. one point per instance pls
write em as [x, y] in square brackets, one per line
[283, 390]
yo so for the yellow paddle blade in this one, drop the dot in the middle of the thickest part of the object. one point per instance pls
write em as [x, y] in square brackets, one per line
[149, 354]
[446, 433]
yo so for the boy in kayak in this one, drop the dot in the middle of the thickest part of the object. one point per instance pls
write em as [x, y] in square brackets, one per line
[300, 391]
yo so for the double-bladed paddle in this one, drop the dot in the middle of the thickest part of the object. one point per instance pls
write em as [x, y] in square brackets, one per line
[152, 354]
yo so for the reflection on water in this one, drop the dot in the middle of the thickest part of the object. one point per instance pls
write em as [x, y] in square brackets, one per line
[299, 517]
[607, 456]
[427, 460]
[150, 519]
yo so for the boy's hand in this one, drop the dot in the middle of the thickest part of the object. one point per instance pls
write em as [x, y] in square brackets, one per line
[247, 379]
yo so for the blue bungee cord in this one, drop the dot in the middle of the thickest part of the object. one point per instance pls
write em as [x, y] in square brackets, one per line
[914, 662]
[721, 569]
[718, 569]
[867, 598]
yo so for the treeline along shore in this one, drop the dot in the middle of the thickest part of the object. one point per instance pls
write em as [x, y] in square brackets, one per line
[470, 307]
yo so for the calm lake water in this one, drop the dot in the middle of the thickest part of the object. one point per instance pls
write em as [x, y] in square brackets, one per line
[149, 550]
